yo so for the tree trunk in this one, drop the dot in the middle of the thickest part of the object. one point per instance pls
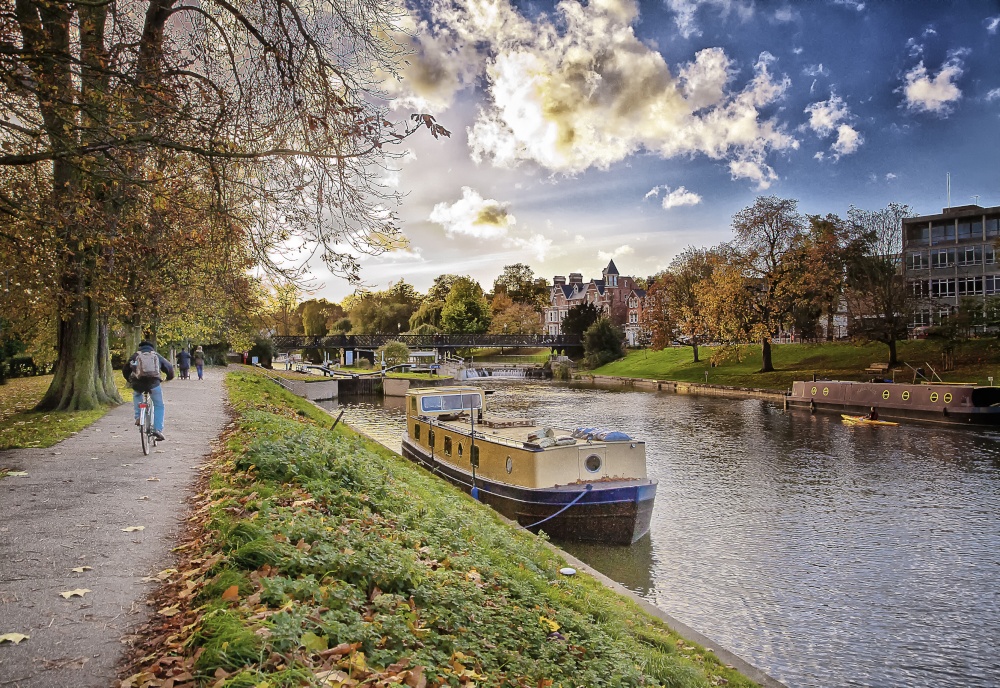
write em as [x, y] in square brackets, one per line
[893, 360]
[829, 323]
[84, 378]
[694, 346]
[765, 350]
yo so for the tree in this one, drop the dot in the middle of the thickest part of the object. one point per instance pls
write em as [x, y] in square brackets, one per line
[513, 318]
[816, 263]
[879, 303]
[579, 318]
[764, 233]
[112, 112]
[465, 310]
[602, 343]
[729, 304]
[319, 316]
[395, 353]
[518, 281]
[691, 273]
[386, 311]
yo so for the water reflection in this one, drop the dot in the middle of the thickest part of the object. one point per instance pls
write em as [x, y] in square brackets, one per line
[825, 554]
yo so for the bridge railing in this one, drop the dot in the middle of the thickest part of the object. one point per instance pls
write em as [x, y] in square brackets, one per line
[424, 341]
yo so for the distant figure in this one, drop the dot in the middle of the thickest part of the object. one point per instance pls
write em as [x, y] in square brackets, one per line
[184, 363]
[199, 362]
[872, 414]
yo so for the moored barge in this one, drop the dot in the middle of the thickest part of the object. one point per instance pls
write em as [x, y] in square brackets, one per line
[585, 484]
[947, 403]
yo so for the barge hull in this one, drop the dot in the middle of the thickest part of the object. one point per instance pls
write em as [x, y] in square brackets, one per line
[613, 512]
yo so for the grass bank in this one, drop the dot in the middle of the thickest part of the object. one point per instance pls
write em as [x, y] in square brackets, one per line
[20, 427]
[317, 557]
[975, 361]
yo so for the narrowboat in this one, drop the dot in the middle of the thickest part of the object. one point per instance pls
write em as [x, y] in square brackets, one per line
[583, 484]
[945, 403]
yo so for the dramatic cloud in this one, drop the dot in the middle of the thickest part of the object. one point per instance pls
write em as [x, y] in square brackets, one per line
[473, 216]
[830, 116]
[580, 90]
[935, 94]
[674, 198]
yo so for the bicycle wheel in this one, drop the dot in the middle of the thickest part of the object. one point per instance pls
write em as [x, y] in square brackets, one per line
[145, 423]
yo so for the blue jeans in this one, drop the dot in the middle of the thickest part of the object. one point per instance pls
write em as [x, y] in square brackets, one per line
[201, 370]
[156, 394]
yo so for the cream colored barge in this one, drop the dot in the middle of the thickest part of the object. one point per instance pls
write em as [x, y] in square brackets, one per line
[582, 484]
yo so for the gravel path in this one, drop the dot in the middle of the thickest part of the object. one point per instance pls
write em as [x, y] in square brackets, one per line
[72, 510]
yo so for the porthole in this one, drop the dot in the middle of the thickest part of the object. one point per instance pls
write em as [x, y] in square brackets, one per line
[947, 397]
[826, 391]
[592, 463]
[885, 394]
[906, 395]
[510, 464]
[934, 396]
[814, 390]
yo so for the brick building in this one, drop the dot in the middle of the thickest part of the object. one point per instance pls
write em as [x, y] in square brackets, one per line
[617, 296]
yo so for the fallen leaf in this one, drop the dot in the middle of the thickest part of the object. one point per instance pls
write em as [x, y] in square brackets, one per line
[169, 611]
[312, 642]
[132, 529]
[17, 474]
[232, 594]
[546, 621]
[79, 592]
[15, 638]
[81, 569]
[152, 480]
[142, 498]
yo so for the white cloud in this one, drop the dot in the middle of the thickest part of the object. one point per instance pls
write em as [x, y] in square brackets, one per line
[473, 216]
[851, 4]
[935, 94]
[992, 24]
[816, 70]
[832, 116]
[685, 12]
[676, 197]
[994, 94]
[580, 90]
[625, 250]
[890, 176]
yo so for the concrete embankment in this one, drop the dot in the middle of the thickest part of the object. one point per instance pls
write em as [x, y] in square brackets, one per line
[697, 388]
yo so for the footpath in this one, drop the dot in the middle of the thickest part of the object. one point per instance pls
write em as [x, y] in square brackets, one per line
[83, 534]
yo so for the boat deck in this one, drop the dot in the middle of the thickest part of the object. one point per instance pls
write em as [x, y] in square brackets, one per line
[508, 430]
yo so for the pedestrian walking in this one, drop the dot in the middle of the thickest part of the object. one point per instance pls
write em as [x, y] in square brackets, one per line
[199, 362]
[184, 363]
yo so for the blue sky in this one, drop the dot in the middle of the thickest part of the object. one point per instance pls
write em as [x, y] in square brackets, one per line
[583, 132]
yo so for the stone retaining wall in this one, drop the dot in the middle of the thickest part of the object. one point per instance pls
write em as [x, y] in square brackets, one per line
[697, 388]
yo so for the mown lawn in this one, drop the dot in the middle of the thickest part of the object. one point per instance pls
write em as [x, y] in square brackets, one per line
[21, 427]
[975, 361]
[319, 558]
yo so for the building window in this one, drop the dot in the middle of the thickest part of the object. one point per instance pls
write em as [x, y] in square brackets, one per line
[970, 255]
[992, 283]
[942, 231]
[918, 235]
[992, 227]
[917, 261]
[942, 287]
[920, 289]
[989, 256]
[943, 258]
[970, 286]
[965, 229]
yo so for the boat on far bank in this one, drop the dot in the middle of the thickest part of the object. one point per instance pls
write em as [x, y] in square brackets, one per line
[946, 403]
[586, 484]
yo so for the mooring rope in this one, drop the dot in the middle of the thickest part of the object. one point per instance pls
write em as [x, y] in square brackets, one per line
[586, 489]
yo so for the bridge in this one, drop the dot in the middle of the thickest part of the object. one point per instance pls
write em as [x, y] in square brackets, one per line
[371, 342]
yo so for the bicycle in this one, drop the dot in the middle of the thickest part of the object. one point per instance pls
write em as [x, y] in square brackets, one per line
[147, 435]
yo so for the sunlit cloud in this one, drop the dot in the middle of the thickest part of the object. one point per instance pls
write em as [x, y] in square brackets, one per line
[473, 216]
[831, 116]
[580, 90]
[674, 198]
[935, 94]
[625, 250]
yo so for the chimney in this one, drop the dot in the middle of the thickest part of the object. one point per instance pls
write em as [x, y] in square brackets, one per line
[575, 278]
[558, 281]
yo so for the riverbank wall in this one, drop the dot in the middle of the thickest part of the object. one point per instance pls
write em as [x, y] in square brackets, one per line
[678, 387]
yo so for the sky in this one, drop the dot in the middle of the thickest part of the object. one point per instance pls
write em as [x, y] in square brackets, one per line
[583, 132]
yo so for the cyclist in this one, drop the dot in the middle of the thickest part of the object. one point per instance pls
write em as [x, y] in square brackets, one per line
[145, 377]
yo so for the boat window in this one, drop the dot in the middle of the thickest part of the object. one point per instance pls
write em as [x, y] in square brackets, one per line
[451, 402]
[413, 403]
[986, 396]
[592, 463]
[447, 446]
[416, 431]
[430, 403]
[459, 450]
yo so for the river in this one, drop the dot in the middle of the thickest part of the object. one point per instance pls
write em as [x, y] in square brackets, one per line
[826, 555]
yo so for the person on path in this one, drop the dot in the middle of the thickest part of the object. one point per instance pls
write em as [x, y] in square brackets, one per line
[141, 379]
[184, 363]
[199, 362]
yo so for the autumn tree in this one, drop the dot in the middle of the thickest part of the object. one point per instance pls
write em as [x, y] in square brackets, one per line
[579, 318]
[879, 303]
[110, 112]
[465, 309]
[763, 235]
[518, 281]
[509, 317]
[729, 305]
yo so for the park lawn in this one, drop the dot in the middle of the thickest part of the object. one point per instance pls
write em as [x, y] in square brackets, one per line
[975, 361]
[317, 557]
[21, 428]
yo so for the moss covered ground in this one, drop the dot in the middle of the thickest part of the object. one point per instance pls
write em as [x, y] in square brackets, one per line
[316, 557]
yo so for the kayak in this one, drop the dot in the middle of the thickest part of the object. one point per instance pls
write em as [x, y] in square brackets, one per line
[862, 420]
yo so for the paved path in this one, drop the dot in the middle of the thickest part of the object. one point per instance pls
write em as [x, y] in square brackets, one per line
[70, 511]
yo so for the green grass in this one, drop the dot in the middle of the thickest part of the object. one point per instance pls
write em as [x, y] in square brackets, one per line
[975, 361]
[21, 427]
[337, 554]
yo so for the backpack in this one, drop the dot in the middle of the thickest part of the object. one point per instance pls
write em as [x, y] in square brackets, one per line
[147, 365]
